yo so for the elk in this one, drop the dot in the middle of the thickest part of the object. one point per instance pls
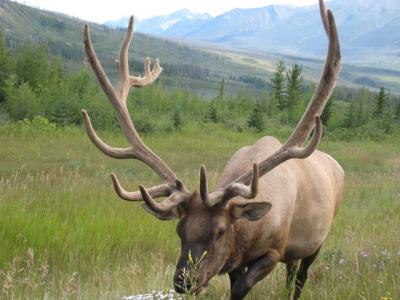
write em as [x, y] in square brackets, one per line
[273, 203]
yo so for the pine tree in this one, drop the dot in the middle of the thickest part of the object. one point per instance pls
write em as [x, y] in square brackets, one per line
[56, 72]
[5, 65]
[386, 122]
[58, 113]
[212, 112]
[360, 116]
[221, 93]
[380, 104]
[397, 111]
[348, 121]
[270, 108]
[328, 111]
[294, 82]
[256, 118]
[278, 86]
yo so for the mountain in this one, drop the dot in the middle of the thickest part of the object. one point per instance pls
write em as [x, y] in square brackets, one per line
[239, 22]
[185, 23]
[369, 30]
[161, 24]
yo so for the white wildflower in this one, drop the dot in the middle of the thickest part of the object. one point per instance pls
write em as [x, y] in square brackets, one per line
[156, 295]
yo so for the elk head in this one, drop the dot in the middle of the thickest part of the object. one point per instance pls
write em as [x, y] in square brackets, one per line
[206, 220]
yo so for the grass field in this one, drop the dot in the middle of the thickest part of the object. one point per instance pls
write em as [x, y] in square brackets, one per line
[65, 234]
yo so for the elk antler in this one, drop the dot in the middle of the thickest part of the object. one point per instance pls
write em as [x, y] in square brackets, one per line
[231, 191]
[310, 119]
[137, 149]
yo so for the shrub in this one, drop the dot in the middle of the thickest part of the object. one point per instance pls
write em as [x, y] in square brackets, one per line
[37, 126]
[22, 102]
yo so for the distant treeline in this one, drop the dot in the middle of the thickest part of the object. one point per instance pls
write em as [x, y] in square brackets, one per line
[33, 85]
[70, 52]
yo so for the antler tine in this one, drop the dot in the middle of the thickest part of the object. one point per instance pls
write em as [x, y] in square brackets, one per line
[98, 69]
[304, 152]
[119, 153]
[322, 10]
[162, 207]
[163, 190]
[208, 200]
[204, 186]
[231, 191]
[244, 191]
[123, 64]
[150, 75]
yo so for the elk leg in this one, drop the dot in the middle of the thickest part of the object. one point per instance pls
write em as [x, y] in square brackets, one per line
[233, 276]
[302, 273]
[291, 269]
[257, 270]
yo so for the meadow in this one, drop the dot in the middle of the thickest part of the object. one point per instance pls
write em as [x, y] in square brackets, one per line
[66, 235]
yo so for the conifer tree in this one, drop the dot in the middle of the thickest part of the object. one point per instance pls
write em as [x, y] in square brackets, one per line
[348, 121]
[212, 112]
[58, 113]
[278, 86]
[380, 104]
[360, 115]
[221, 93]
[397, 111]
[56, 72]
[5, 65]
[294, 82]
[328, 111]
[256, 118]
[386, 122]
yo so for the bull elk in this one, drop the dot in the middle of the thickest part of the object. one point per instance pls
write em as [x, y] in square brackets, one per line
[273, 203]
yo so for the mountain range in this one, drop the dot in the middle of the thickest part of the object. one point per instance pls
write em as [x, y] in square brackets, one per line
[175, 23]
[367, 28]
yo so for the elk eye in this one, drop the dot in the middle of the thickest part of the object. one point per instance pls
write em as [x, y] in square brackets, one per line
[221, 232]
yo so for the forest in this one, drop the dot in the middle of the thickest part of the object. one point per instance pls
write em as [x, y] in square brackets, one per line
[33, 86]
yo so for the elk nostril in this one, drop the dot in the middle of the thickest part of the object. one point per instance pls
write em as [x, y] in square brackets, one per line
[181, 283]
[181, 287]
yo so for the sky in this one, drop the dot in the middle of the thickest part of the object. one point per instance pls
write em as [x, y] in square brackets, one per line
[101, 11]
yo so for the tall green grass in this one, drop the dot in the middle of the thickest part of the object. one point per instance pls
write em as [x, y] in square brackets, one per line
[65, 234]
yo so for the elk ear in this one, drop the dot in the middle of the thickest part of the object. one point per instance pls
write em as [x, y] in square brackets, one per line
[175, 213]
[251, 211]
